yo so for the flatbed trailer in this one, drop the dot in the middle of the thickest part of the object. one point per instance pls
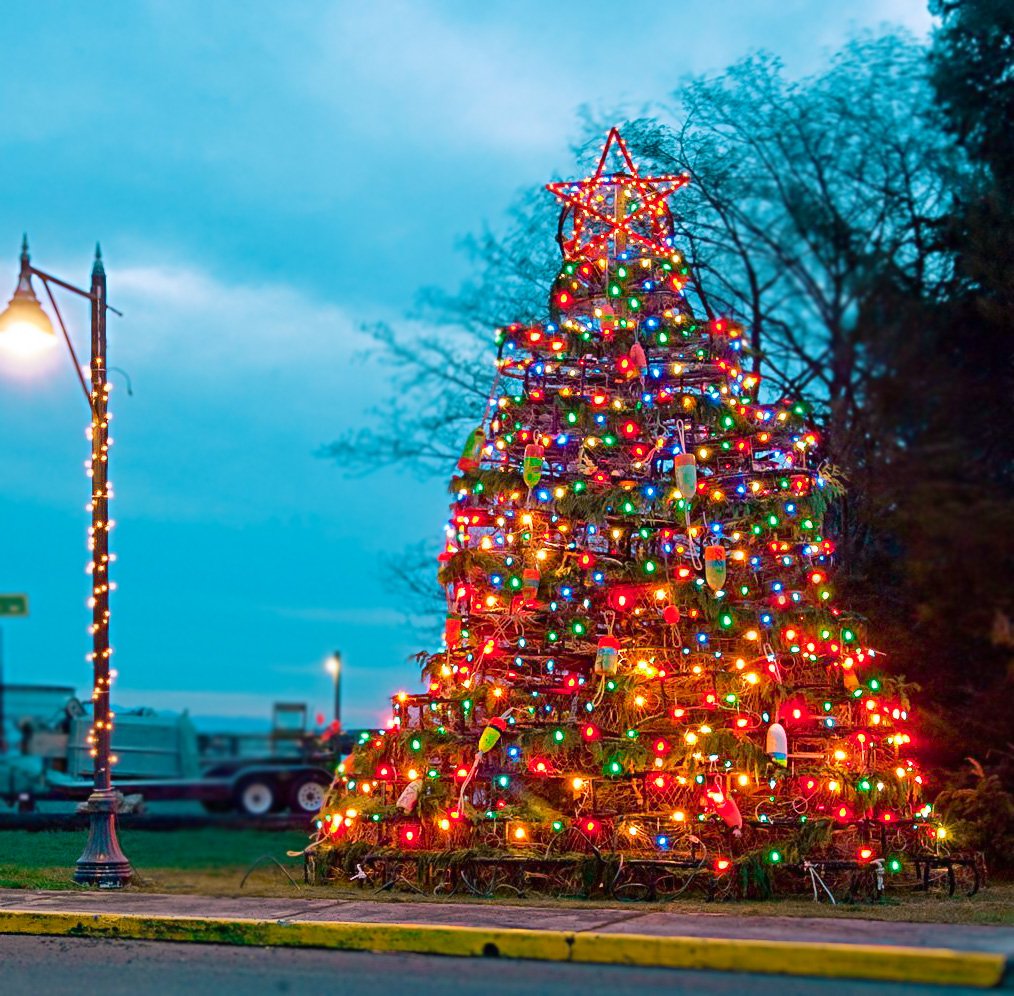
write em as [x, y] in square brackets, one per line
[160, 757]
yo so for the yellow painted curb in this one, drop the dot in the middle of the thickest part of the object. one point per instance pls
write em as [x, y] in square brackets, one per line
[938, 966]
[885, 963]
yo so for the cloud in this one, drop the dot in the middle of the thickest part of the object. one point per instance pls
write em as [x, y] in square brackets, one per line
[436, 80]
[236, 385]
[446, 78]
[361, 616]
[210, 328]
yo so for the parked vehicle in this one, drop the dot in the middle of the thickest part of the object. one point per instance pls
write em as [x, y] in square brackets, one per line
[161, 756]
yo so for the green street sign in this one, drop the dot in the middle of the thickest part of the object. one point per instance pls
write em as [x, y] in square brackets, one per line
[13, 605]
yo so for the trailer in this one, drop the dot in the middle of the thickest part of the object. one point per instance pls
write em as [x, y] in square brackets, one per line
[160, 756]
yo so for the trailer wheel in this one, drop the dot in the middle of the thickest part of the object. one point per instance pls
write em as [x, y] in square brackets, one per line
[256, 796]
[307, 795]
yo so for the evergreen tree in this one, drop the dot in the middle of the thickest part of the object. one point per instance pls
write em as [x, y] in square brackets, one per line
[936, 465]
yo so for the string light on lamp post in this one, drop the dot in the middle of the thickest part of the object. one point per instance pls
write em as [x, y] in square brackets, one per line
[25, 331]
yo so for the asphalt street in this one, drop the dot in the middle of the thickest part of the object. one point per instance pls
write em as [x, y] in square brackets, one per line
[62, 965]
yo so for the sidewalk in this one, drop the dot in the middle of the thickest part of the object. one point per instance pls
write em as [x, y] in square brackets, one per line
[855, 948]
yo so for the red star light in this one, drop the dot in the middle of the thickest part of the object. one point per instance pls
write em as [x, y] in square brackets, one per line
[599, 207]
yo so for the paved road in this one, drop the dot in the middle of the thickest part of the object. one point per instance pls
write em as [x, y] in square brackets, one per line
[61, 965]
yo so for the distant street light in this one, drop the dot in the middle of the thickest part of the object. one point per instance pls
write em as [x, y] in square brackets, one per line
[334, 668]
[25, 330]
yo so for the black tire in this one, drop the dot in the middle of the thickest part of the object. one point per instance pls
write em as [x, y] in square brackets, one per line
[256, 795]
[307, 793]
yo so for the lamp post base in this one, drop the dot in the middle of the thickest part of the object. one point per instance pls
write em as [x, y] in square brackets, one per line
[103, 863]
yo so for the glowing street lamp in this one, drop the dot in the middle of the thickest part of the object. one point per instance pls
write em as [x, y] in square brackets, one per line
[333, 665]
[25, 331]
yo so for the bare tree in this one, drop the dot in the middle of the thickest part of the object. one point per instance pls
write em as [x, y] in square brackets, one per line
[442, 376]
[806, 192]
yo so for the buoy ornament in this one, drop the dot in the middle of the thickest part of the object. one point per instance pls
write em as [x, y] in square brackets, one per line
[531, 578]
[725, 807]
[715, 567]
[607, 655]
[452, 630]
[533, 463]
[472, 453]
[639, 359]
[684, 475]
[490, 736]
[777, 745]
[409, 796]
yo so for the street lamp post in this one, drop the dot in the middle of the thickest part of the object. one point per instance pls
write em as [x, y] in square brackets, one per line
[25, 328]
[334, 668]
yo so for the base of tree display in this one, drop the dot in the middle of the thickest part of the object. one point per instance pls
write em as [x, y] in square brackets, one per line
[600, 873]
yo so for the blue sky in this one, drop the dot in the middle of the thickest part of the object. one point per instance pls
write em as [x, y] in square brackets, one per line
[263, 178]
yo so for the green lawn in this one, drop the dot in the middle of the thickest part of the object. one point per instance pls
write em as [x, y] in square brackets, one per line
[215, 861]
[46, 859]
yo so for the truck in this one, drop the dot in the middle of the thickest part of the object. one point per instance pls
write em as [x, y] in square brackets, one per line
[161, 756]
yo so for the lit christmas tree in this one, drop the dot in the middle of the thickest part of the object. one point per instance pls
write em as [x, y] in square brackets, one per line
[643, 655]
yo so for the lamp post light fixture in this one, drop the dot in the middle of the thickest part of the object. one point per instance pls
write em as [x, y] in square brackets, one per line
[334, 668]
[25, 329]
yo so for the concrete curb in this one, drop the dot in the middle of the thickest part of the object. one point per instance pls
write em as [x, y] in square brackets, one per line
[937, 966]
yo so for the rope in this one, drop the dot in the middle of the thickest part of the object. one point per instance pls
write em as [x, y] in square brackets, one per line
[468, 781]
[814, 879]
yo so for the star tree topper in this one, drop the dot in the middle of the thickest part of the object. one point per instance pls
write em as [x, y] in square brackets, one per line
[624, 206]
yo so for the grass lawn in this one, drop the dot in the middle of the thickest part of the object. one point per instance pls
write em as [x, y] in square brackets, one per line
[45, 859]
[215, 861]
